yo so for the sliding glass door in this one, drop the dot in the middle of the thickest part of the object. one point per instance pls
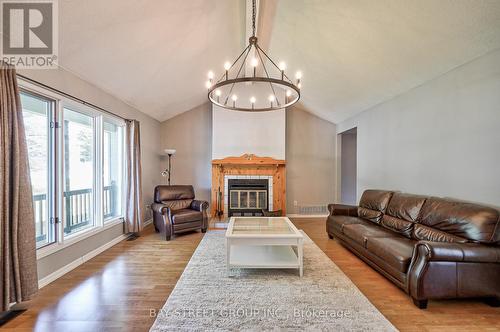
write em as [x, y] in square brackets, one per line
[38, 114]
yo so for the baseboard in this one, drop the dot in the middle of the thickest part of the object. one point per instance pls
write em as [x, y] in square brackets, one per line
[77, 262]
[307, 215]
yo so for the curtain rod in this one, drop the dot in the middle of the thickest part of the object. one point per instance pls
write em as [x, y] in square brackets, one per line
[70, 96]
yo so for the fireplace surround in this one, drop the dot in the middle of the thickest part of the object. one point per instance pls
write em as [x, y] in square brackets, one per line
[247, 167]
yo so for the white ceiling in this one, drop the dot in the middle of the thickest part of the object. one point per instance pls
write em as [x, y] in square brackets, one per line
[354, 54]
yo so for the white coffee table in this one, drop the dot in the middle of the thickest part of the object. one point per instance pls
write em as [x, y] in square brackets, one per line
[264, 243]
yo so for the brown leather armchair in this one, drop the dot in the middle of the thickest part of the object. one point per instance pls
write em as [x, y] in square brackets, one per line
[176, 211]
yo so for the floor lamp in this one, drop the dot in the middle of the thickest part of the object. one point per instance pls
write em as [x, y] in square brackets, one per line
[168, 171]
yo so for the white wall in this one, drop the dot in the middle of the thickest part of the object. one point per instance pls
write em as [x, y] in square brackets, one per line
[441, 138]
[236, 133]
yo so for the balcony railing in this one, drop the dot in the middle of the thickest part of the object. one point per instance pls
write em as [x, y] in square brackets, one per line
[78, 210]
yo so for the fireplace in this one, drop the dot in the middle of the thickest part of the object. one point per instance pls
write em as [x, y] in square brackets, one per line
[247, 197]
[247, 167]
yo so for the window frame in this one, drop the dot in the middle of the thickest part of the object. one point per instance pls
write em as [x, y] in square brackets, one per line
[59, 102]
[52, 201]
[121, 123]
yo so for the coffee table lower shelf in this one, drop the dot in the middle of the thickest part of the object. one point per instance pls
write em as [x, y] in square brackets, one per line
[263, 257]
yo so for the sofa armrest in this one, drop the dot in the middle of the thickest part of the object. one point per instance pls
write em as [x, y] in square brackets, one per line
[343, 209]
[199, 205]
[457, 252]
[440, 270]
[160, 208]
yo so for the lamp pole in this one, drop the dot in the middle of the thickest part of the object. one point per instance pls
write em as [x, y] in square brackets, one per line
[169, 167]
[168, 171]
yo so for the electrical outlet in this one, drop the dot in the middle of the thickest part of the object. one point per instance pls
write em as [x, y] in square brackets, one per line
[295, 203]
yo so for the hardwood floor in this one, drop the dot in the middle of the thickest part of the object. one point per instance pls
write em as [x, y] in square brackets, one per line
[116, 290]
[113, 291]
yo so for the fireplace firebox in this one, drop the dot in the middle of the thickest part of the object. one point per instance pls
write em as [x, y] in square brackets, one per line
[247, 197]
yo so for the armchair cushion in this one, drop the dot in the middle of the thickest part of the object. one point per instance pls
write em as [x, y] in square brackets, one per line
[169, 193]
[178, 204]
[186, 215]
[199, 205]
[458, 252]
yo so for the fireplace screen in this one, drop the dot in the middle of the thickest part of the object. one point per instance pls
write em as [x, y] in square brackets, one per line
[248, 199]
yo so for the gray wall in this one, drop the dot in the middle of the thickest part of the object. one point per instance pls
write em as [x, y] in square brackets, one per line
[310, 157]
[310, 154]
[190, 133]
[348, 168]
[441, 138]
[150, 149]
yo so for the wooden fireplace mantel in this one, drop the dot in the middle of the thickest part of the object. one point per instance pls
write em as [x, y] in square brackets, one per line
[248, 159]
[249, 164]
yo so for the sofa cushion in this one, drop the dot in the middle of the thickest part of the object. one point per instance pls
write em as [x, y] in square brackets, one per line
[397, 225]
[471, 221]
[405, 206]
[373, 204]
[396, 251]
[186, 215]
[335, 223]
[402, 212]
[360, 233]
[371, 215]
[424, 233]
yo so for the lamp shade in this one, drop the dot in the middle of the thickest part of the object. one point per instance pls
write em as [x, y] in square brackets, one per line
[169, 151]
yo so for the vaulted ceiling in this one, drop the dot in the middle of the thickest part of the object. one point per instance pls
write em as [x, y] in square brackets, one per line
[354, 54]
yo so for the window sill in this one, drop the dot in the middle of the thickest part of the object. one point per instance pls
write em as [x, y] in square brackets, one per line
[75, 238]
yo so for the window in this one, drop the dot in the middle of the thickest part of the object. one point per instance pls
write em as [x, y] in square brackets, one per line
[37, 114]
[112, 170]
[79, 177]
[76, 158]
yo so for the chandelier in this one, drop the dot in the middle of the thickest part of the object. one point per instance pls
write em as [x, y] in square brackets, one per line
[253, 74]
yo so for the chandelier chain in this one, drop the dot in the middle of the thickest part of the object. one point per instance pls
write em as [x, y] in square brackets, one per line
[253, 17]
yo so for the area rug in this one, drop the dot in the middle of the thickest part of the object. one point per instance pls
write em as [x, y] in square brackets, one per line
[206, 298]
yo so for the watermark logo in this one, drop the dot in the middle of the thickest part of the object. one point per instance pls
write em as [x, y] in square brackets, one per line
[29, 32]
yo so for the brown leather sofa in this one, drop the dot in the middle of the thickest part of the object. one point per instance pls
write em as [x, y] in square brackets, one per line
[176, 211]
[432, 248]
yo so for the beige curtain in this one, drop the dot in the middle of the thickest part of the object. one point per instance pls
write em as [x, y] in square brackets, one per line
[18, 272]
[133, 205]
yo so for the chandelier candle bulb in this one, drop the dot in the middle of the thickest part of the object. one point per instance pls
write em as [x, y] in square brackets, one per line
[210, 75]
[234, 98]
[227, 66]
[282, 67]
[253, 100]
[254, 63]
[271, 99]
